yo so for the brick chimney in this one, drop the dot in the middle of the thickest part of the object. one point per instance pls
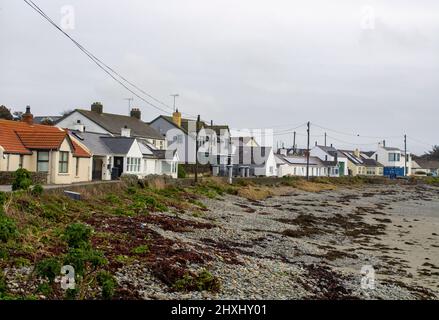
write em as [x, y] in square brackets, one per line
[27, 117]
[97, 107]
[357, 153]
[135, 113]
[176, 118]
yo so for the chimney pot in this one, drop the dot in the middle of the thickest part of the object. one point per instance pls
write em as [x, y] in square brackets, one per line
[135, 113]
[97, 107]
[28, 117]
[176, 118]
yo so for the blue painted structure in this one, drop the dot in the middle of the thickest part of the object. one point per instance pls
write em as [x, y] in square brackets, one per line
[393, 172]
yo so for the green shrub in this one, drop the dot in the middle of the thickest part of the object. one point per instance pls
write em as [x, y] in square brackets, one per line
[22, 180]
[108, 284]
[2, 199]
[45, 289]
[71, 294]
[8, 229]
[142, 249]
[83, 258]
[77, 235]
[123, 212]
[52, 211]
[48, 268]
[112, 198]
[37, 190]
[181, 172]
[2, 284]
[204, 281]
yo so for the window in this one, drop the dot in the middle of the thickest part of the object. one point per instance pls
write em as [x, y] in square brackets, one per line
[77, 167]
[63, 162]
[43, 161]
[133, 164]
[393, 157]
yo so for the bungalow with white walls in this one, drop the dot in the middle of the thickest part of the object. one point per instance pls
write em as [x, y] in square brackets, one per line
[115, 156]
[297, 166]
[393, 160]
[425, 167]
[332, 158]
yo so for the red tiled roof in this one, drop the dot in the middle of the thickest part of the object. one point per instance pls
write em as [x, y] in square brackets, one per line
[11, 143]
[79, 151]
[20, 137]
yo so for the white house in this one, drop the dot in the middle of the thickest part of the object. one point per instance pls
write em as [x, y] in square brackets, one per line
[297, 166]
[115, 156]
[180, 133]
[254, 161]
[336, 161]
[393, 160]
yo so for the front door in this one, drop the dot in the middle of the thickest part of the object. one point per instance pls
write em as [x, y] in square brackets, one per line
[341, 168]
[97, 169]
[118, 163]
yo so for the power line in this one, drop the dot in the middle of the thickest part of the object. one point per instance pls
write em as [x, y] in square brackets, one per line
[354, 135]
[352, 144]
[108, 70]
[420, 142]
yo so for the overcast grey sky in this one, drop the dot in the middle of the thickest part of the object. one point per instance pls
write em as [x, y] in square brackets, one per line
[360, 67]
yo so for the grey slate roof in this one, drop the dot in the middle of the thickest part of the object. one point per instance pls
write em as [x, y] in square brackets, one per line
[118, 145]
[115, 122]
[361, 160]
[428, 164]
[302, 160]
[93, 142]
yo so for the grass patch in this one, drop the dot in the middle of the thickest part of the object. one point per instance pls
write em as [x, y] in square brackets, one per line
[254, 193]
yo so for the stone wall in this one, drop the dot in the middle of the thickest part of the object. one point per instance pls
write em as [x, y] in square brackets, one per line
[7, 177]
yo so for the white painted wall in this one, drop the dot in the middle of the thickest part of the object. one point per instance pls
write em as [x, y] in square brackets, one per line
[70, 122]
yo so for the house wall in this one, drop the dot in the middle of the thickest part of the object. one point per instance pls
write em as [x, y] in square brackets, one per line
[383, 158]
[135, 153]
[269, 168]
[56, 177]
[70, 122]
[84, 170]
[184, 144]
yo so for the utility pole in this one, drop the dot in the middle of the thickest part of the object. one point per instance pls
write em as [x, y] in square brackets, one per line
[307, 151]
[175, 95]
[129, 104]
[325, 139]
[294, 142]
[405, 155]
[196, 149]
